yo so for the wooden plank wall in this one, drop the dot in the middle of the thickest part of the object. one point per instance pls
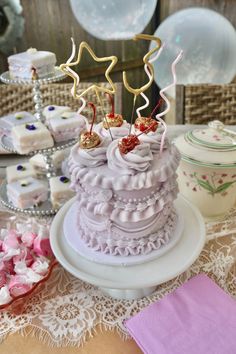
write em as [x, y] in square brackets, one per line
[49, 24]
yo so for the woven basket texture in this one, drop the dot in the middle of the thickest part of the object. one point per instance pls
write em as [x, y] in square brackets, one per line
[15, 98]
[204, 103]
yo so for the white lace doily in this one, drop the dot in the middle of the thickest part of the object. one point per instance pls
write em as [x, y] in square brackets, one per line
[65, 309]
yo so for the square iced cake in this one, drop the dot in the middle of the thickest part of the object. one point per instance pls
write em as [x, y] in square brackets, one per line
[11, 120]
[53, 111]
[26, 193]
[38, 163]
[21, 171]
[30, 137]
[67, 126]
[60, 190]
[23, 64]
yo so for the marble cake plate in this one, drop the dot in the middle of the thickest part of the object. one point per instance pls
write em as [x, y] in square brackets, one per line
[73, 238]
[133, 281]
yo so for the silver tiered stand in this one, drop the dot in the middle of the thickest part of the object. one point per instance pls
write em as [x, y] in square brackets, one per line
[45, 209]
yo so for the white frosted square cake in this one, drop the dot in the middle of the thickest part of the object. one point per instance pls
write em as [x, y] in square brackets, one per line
[38, 163]
[67, 126]
[27, 193]
[60, 190]
[53, 111]
[22, 64]
[11, 120]
[20, 171]
[30, 137]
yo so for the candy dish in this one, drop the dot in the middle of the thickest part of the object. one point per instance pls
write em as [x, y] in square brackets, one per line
[19, 300]
[26, 258]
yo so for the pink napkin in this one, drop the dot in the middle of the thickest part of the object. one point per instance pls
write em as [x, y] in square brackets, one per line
[197, 318]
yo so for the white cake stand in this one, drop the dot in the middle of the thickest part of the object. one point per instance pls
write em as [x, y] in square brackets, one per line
[138, 280]
[75, 241]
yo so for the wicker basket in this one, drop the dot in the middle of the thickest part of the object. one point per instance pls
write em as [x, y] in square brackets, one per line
[199, 104]
[15, 98]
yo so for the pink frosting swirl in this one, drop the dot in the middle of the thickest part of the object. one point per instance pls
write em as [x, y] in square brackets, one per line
[153, 139]
[117, 132]
[90, 157]
[137, 160]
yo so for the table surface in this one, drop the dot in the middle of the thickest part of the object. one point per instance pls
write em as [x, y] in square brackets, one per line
[105, 342]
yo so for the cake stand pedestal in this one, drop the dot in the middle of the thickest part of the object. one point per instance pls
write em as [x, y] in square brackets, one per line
[133, 281]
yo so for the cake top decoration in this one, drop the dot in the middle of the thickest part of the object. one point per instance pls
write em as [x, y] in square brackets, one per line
[90, 139]
[94, 87]
[112, 119]
[30, 127]
[24, 183]
[64, 179]
[146, 124]
[31, 51]
[20, 168]
[98, 89]
[149, 66]
[128, 143]
[18, 116]
[51, 108]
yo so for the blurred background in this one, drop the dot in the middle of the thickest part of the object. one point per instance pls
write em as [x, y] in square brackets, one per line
[207, 38]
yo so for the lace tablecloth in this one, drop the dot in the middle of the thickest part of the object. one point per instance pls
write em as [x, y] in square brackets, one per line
[66, 310]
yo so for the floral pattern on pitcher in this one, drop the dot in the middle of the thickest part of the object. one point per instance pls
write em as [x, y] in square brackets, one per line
[215, 183]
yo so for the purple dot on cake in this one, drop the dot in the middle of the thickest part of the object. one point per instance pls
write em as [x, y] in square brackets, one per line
[30, 127]
[20, 168]
[64, 179]
[51, 108]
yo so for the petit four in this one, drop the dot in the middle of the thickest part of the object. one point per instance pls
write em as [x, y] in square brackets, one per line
[27, 193]
[39, 165]
[16, 172]
[60, 190]
[53, 111]
[24, 65]
[11, 120]
[30, 137]
[67, 126]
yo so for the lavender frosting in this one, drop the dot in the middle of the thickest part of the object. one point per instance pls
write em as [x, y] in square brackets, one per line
[137, 160]
[154, 139]
[117, 132]
[90, 157]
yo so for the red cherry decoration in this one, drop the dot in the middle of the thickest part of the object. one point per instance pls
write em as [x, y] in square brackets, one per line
[128, 143]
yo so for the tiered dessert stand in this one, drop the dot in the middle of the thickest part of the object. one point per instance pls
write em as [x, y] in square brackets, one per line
[44, 209]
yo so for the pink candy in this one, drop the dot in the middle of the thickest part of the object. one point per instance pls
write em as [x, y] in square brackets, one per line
[17, 286]
[23, 262]
[42, 246]
[25, 255]
[28, 238]
[10, 241]
[7, 266]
